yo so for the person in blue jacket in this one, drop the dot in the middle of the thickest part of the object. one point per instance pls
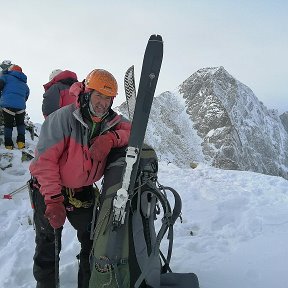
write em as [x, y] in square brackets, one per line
[14, 94]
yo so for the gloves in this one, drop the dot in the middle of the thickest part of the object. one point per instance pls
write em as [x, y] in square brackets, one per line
[56, 214]
[102, 145]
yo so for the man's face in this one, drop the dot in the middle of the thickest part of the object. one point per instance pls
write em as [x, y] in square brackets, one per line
[100, 103]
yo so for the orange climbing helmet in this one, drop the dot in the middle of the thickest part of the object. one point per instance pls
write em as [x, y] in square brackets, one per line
[102, 81]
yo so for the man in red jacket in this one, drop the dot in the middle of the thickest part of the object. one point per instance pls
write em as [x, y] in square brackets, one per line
[70, 157]
[57, 91]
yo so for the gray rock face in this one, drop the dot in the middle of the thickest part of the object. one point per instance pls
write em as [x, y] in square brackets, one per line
[212, 117]
[284, 120]
[238, 131]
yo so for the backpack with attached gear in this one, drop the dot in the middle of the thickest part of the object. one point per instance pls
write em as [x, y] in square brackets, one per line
[129, 255]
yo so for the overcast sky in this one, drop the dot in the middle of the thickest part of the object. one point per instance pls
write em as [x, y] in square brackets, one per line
[248, 38]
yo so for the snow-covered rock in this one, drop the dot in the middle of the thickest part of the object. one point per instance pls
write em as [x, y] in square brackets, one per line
[214, 118]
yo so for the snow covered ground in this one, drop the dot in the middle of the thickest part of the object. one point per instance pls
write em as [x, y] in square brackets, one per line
[234, 232]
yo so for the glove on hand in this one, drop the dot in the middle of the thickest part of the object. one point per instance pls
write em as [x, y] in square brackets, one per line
[56, 214]
[102, 145]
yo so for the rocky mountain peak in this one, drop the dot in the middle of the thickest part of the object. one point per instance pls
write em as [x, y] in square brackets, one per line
[213, 117]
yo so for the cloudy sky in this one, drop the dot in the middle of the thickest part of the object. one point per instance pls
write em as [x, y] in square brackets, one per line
[248, 38]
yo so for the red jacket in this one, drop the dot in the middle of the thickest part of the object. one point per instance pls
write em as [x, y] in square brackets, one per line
[57, 92]
[62, 156]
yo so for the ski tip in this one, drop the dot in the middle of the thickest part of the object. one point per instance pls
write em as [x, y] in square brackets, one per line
[131, 68]
[156, 37]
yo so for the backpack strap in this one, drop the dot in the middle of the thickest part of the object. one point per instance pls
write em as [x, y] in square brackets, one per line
[176, 213]
[168, 221]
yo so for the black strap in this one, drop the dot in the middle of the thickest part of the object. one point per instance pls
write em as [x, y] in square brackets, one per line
[168, 221]
[166, 266]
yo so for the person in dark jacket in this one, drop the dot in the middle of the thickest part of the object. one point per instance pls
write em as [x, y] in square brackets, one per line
[14, 95]
[57, 91]
[70, 156]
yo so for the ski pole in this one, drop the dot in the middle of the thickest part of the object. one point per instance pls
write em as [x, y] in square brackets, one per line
[9, 195]
[57, 258]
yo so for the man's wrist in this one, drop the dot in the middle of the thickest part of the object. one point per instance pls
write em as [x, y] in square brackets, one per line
[58, 198]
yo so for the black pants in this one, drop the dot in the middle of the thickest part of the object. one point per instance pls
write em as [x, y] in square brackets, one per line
[44, 257]
[9, 119]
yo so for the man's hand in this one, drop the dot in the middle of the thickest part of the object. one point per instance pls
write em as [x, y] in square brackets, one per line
[102, 145]
[56, 214]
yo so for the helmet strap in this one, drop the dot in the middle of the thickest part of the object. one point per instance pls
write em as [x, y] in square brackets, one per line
[96, 118]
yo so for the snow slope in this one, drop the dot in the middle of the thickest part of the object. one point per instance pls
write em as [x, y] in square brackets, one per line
[234, 231]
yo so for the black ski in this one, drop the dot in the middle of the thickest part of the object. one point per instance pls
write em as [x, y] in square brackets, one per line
[149, 75]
